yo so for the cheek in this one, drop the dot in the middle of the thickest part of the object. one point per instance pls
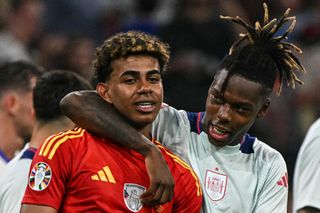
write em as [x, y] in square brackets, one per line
[211, 109]
[243, 124]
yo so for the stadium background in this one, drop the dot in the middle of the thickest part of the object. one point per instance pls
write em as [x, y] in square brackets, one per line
[64, 34]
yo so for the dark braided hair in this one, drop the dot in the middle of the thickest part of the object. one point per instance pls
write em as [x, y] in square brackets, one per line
[261, 56]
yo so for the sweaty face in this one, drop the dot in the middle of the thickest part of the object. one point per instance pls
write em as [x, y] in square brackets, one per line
[231, 113]
[134, 89]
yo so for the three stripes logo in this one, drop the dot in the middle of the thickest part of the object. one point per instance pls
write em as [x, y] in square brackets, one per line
[283, 181]
[104, 175]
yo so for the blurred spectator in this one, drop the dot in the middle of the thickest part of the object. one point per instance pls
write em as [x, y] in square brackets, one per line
[78, 56]
[17, 80]
[21, 27]
[49, 90]
[74, 53]
[198, 39]
[51, 48]
[142, 19]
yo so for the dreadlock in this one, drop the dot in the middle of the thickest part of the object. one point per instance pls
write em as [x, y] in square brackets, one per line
[261, 56]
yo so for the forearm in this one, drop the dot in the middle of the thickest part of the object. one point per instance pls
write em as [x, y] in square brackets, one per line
[309, 210]
[89, 111]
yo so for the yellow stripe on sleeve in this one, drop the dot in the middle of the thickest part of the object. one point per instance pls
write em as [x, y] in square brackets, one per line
[48, 143]
[185, 165]
[62, 140]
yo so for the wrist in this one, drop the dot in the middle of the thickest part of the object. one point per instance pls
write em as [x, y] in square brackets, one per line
[150, 149]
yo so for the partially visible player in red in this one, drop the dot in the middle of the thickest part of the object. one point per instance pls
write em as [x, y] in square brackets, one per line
[76, 171]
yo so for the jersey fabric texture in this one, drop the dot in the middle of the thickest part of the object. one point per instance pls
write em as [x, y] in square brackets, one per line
[14, 180]
[78, 172]
[249, 177]
[3, 162]
[306, 181]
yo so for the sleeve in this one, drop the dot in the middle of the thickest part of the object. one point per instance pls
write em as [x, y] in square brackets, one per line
[273, 197]
[49, 172]
[16, 185]
[307, 175]
[173, 130]
[187, 192]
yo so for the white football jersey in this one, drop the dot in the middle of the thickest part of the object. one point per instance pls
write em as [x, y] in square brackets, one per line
[306, 181]
[14, 181]
[249, 177]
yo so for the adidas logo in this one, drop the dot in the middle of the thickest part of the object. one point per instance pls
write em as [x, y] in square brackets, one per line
[283, 181]
[104, 175]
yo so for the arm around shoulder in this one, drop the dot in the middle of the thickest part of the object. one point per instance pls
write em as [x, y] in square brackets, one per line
[27, 208]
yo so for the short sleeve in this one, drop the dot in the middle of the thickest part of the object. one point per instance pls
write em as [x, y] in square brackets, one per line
[49, 172]
[273, 196]
[173, 130]
[307, 175]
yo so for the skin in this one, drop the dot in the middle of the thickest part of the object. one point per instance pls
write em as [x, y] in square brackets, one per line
[309, 210]
[135, 91]
[18, 113]
[24, 116]
[231, 113]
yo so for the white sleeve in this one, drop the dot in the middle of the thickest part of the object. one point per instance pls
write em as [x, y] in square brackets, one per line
[274, 194]
[172, 129]
[14, 187]
[307, 175]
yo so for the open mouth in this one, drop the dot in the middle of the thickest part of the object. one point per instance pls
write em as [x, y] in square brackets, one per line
[145, 107]
[218, 133]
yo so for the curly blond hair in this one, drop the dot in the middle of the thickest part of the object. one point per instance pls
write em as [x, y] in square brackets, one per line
[126, 44]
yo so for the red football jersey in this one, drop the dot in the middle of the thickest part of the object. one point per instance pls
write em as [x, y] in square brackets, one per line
[75, 171]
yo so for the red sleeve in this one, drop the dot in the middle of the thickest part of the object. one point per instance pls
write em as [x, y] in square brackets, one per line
[50, 169]
[187, 190]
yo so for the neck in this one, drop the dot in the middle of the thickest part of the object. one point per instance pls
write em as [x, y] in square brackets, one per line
[43, 130]
[146, 131]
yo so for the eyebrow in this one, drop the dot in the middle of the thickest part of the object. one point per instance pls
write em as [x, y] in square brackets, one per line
[215, 91]
[137, 73]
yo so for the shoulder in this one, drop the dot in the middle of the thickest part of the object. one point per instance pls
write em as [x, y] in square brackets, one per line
[312, 139]
[168, 112]
[63, 141]
[268, 155]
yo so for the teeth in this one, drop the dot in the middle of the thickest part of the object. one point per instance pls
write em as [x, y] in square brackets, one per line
[219, 131]
[144, 104]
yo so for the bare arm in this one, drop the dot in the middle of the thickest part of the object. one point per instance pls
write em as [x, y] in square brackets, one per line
[309, 210]
[91, 112]
[27, 208]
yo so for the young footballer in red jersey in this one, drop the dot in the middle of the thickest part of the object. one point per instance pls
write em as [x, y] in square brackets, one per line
[76, 171]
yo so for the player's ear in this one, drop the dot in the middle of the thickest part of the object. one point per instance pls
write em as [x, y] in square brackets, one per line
[103, 90]
[10, 103]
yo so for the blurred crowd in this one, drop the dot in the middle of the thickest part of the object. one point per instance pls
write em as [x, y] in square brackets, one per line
[63, 34]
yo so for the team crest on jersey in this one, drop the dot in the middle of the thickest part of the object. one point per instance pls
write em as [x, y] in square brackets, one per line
[215, 185]
[40, 176]
[131, 195]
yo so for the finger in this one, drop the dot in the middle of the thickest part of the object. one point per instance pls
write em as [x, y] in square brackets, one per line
[170, 195]
[155, 199]
[165, 196]
[150, 191]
